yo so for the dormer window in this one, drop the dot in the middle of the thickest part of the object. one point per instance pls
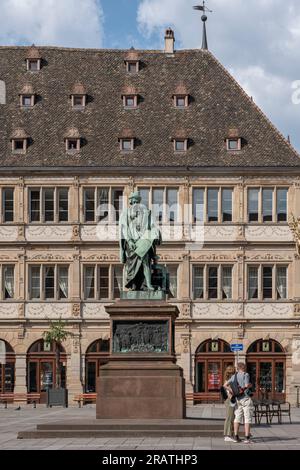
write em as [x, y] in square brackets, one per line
[180, 141]
[132, 62]
[33, 59]
[78, 96]
[19, 141]
[233, 141]
[73, 140]
[27, 97]
[181, 96]
[130, 97]
[127, 140]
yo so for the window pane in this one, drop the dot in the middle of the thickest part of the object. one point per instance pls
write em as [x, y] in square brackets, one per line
[252, 283]
[8, 204]
[132, 67]
[63, 201]
[144, 192]
[213, 283]
[233, 144]
[78, 100]
[281, 282]
[118, 281]
[253, 205]
[172, 197]
[126, 144]
[35, 273]
[129, 100]
[32, 377]
[172, 270]
[267, 282]
[49, 282]
[26, 100]
[89, 204]
[90, 381]
[63, 282]
[8, 279]
[117, 196]
[157, 203]
[89, 282]
[279, 377]
[179, 145]
[227, 282]
[180, 102]
[103, 203]
[49, 205]
[104, 282]
[212, 205]
[267, 195]
[198, 205]
[282, 205]
[35, 205]
[33, 65]
[227, 205]
[198, 282]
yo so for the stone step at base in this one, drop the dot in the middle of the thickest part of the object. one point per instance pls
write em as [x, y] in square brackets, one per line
[125, 433]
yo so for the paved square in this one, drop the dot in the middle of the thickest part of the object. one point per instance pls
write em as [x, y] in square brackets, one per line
[265, 437]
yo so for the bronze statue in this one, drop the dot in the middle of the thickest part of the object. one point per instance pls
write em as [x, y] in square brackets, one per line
[138, 240]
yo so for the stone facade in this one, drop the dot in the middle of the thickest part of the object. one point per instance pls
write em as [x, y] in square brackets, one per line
[23, 321]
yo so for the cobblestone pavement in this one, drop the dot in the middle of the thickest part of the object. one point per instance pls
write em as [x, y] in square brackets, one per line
[265, 437]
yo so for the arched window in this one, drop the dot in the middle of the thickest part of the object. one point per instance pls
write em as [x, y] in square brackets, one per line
[211, 359]
[2, 92]
[41, 367]
[7, 367]
[266, 364]
[96, 355]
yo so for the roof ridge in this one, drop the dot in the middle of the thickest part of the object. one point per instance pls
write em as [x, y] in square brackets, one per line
[277, 131]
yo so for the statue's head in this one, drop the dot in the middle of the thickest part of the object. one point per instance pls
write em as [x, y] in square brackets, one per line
[135, 198]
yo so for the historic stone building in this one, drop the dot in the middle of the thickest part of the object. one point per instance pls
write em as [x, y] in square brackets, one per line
[80, 128]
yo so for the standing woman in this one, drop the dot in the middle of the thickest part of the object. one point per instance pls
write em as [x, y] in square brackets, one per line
[228, 425]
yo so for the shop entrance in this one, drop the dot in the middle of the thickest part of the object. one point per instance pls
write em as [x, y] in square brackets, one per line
[266, 364]
[41, 368]
[211, 360]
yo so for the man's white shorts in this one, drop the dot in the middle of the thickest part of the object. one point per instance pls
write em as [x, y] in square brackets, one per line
[244, 411]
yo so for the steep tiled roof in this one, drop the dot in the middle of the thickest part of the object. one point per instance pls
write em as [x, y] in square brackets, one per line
[218, 104]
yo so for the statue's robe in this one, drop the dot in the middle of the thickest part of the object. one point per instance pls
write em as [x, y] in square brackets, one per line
[138, 237]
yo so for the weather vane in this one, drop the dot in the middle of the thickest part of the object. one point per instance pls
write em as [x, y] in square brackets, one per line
[204, 19]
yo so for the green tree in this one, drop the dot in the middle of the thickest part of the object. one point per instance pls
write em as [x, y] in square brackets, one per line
[56, 335]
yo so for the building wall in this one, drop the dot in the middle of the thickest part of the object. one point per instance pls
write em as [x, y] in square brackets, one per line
[23, 321]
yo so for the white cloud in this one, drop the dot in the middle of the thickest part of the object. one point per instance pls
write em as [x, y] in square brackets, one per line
[70, 23]
[258, 40]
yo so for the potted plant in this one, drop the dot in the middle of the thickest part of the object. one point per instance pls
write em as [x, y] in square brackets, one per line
[56, 335]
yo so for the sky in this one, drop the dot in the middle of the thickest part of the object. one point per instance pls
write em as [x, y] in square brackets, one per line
[258, 41]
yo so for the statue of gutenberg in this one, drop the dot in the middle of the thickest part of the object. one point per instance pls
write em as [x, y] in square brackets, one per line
[138, 240]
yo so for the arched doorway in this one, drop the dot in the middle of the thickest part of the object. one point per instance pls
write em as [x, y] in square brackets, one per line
[7, 368]
[96, 355]
[211, 359]
[266, 364]
[41, 369]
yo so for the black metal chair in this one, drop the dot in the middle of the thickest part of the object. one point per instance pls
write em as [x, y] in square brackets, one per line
[274, 410]
[285, 410]
[261, 410]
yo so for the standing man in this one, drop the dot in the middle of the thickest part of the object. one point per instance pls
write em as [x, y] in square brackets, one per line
[240, 385]
[138, 239]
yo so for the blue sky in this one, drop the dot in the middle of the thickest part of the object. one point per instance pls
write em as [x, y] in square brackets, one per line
[258, 41]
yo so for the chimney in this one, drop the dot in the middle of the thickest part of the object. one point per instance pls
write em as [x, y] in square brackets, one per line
[169, 41]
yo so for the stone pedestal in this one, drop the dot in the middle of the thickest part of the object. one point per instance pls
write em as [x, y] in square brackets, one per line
[141, 379]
